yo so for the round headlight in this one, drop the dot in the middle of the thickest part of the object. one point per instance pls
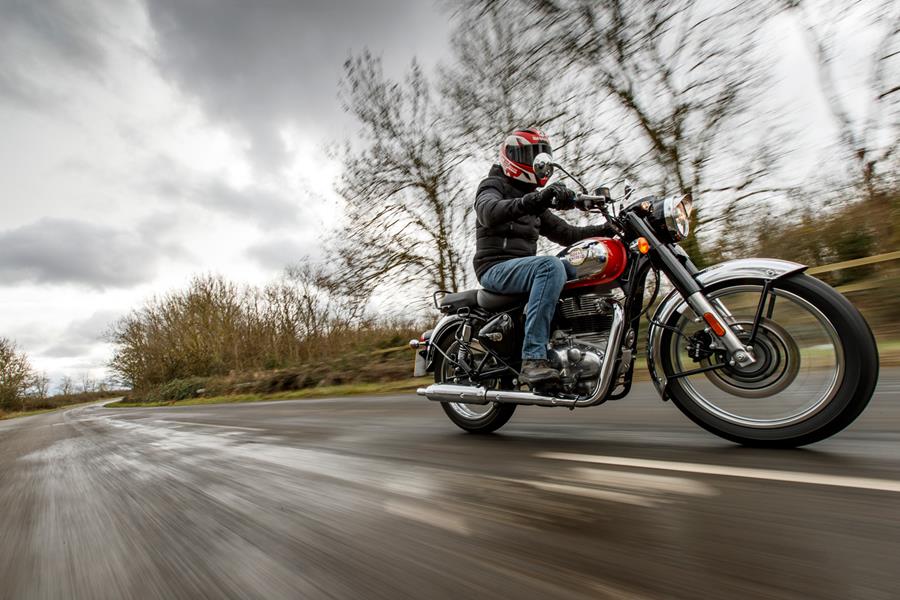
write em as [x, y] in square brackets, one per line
[677, 212]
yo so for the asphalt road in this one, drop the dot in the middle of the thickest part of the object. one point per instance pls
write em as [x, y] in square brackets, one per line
[384, 498]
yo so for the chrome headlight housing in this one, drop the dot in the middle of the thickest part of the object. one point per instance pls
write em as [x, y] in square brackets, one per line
[677, 216]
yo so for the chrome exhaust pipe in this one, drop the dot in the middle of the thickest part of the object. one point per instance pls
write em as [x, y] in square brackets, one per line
[451, 392]
[466, 394]
[613, 349]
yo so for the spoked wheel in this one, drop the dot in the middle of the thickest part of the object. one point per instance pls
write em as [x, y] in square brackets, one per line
[815, 371]
[474, 418]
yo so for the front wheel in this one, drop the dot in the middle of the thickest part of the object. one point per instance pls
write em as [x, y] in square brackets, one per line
[474, 418]
[816, 368]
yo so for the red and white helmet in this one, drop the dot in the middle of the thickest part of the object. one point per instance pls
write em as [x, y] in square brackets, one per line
[517, 154]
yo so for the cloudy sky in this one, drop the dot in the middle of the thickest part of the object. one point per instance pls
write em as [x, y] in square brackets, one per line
[144, 141]
[147, 141]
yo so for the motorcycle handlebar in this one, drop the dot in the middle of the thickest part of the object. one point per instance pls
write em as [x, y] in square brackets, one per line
[587, 201]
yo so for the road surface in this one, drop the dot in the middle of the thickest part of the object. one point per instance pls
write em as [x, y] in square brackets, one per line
[383, 498]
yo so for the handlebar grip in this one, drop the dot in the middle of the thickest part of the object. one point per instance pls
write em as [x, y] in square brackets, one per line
[586, 202]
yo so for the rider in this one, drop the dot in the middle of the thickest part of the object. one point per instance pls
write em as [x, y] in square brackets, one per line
[511, 214]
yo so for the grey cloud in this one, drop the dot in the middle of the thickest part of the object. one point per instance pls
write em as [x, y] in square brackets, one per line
[81, 336]
[162, 228]
[20, 91]
[174, 184]
[268, 209]
[48, 34]
[259, 65]
[279, 253]
[66, 350]
[30, 335]
[59, 251]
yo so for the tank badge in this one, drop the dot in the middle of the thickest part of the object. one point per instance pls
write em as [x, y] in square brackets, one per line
[577, 256]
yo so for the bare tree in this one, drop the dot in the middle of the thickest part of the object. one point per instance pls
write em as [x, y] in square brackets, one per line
[39, 386]
[675, 77]
[311, 305]
[215, 327]
[110, 383]
[870, 137]
[405, 180]
[15, 376]
[88, 383]
[66, 386]
[404, 200]
[499, 79]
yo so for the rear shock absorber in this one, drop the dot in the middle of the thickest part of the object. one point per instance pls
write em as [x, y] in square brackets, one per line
[463, 336]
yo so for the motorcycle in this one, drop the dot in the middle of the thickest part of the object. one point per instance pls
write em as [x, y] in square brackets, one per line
[753, 350]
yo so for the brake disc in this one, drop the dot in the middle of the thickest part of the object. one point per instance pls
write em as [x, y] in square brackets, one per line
[777, 363]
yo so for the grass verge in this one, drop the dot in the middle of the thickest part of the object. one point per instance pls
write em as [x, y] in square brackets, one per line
[350, 389]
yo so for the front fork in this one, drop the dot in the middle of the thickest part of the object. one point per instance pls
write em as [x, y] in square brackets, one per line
[686, 284]
[738, 353]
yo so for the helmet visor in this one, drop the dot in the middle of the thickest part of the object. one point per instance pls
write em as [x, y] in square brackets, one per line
[524, 155]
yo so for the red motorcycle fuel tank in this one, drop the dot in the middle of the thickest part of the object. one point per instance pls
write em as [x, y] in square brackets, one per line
[596, 260]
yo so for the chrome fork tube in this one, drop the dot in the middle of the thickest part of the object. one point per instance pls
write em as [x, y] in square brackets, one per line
[690, 289]
[739, 353]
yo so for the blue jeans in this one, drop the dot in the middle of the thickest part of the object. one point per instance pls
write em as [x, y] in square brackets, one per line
[542, 278]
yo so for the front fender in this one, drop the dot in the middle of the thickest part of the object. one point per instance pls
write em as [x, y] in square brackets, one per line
[744, 268]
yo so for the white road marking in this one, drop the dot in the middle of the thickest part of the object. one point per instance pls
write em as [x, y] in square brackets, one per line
[428, 516]
[195, 424]
[639, 489]
[594, 493]
[864, 483]
[644, 482]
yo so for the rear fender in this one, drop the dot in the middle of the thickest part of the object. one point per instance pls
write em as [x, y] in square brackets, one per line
[745, 268]
[443, 328]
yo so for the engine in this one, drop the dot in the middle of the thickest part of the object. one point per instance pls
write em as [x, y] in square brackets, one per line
[587, 317]
[578, 344]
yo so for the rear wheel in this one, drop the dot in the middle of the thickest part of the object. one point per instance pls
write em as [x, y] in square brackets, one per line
[474, 418]
[816, 367]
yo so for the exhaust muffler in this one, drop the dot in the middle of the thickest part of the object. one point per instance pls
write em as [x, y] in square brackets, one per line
[468, 394]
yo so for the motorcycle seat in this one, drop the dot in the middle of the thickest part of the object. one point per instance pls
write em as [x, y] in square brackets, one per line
[495, 302]
[489, 301]
[458, 300]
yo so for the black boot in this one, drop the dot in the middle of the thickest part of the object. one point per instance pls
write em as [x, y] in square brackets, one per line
[536, 371]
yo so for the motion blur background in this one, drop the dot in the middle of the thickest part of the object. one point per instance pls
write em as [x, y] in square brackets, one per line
[214, 195]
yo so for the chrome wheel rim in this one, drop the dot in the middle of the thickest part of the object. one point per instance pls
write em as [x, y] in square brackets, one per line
[801, 385]
[470, 412]
[777, 366]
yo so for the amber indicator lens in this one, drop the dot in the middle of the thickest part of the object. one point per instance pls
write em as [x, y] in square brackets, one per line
[643, 245]
[713, 322]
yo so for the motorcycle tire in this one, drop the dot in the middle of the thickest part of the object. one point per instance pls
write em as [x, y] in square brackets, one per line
[860, 372]
[470, 418]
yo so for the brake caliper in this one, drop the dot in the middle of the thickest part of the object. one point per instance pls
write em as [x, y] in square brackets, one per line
[698, 346]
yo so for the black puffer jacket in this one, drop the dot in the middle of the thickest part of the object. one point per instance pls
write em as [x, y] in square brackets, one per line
[509, 222]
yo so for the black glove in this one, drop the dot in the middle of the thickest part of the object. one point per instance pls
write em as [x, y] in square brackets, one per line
[558, 196]
[555, 195]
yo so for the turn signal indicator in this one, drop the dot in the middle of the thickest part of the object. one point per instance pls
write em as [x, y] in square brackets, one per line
[714, 324]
